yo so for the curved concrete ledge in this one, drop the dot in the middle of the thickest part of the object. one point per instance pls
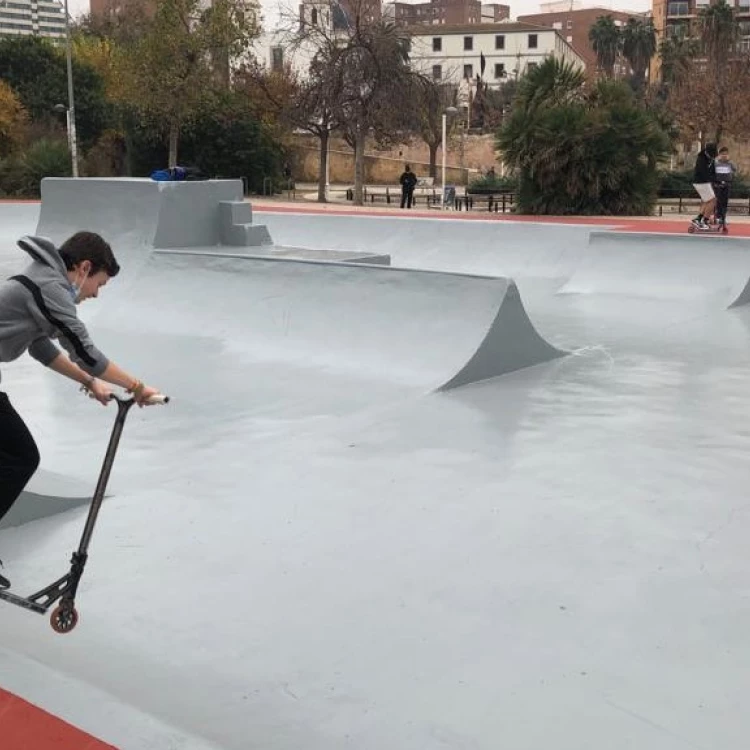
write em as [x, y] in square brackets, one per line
[511, 343]
[47, 494]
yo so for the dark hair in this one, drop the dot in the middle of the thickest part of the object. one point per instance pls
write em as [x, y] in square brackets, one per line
[710, 149]
[92, 247]
[724, 150]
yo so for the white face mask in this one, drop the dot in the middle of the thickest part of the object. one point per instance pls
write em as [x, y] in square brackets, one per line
[77, 284]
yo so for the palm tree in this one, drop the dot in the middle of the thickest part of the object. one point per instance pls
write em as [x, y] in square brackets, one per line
[579, 150]
[551, 84]
[605, 38]
[719, 31]
[677, 54]
[638, 47]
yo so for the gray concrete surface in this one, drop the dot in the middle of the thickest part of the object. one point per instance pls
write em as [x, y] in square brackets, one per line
[710, 270]
[48, 494]
[340, 555]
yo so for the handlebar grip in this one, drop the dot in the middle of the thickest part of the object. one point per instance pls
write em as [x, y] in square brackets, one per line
[158, 398]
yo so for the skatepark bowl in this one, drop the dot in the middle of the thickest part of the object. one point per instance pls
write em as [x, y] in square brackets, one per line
[423, 483]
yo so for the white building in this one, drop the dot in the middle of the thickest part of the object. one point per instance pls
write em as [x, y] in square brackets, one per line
[454, 53]
[32, 17]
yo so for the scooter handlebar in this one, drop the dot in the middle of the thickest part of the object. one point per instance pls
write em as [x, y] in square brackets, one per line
[155, 400]
[158, 399]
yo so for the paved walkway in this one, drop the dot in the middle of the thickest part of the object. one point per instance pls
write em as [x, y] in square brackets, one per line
[673, 224]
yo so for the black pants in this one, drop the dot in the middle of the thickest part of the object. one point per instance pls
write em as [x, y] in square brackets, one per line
[407, 196]
[722, 201]
[19, 456]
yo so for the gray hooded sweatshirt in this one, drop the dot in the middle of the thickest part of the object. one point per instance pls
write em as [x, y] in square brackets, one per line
[38, 306]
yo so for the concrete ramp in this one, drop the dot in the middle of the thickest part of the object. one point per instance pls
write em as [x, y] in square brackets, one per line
[525, 251]
[416, 328]
[141, 213]
[709, 269]
[47, 494]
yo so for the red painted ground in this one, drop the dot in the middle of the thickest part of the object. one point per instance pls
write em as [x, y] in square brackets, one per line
[678, 225]
[26, 727]
[739, 226]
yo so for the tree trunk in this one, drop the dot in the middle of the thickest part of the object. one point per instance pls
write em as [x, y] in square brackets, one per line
[433, 159]
[721, 115]
[324, 137]
[174, 136]
[359, 167]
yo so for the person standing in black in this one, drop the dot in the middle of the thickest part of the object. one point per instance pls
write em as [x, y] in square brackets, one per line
[408, 182]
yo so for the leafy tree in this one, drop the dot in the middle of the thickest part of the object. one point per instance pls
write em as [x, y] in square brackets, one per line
[35, 69]
[223, 139]
[167, 71]
[580, 150]
[13, 120]
[606, 41]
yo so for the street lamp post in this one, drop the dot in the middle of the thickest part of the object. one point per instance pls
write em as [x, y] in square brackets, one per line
[448, 111]
[71, 115]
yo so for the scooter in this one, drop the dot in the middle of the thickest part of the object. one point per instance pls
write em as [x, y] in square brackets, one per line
[718, 227]
[64, 617]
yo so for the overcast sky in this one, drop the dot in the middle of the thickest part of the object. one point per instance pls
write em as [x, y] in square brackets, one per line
[517, 7]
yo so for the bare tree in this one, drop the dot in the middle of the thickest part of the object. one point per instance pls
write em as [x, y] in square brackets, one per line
[431, 99]
[359, 79]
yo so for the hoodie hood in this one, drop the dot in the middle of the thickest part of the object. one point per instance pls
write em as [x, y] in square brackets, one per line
[43, 251]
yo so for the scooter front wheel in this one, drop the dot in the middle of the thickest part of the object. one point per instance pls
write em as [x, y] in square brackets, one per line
[63, 619]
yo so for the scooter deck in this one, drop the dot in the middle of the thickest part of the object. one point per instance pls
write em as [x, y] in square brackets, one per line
[20, 601]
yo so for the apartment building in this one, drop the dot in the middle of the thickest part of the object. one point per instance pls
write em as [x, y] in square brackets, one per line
[574, 25]
[446, 12]
[455, 53]
[44, 18]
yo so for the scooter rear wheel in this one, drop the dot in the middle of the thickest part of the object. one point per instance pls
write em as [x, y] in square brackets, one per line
[63, 619]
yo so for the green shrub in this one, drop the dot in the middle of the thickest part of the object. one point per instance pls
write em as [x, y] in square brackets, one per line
[496, 184]
[21, 175]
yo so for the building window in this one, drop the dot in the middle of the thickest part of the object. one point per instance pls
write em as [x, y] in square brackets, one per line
[500, 41]
[569, 39]
[557, 25]
[678, 9]
[468, 71]
[314, 16]
[570, 24]
[531, 66]
[277, 59]
[437, 72]
[499, 70]
[437, 44]
[468, 42]
[533, 41]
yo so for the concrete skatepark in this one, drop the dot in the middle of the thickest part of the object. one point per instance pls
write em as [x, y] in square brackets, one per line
[491, 496]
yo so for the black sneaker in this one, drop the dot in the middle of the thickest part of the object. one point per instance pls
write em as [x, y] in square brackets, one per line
[4, 582]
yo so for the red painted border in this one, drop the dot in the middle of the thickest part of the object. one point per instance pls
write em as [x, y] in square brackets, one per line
[739, 226]
[26, 727]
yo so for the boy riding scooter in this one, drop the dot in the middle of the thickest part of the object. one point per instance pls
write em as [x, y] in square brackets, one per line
[36, 307]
